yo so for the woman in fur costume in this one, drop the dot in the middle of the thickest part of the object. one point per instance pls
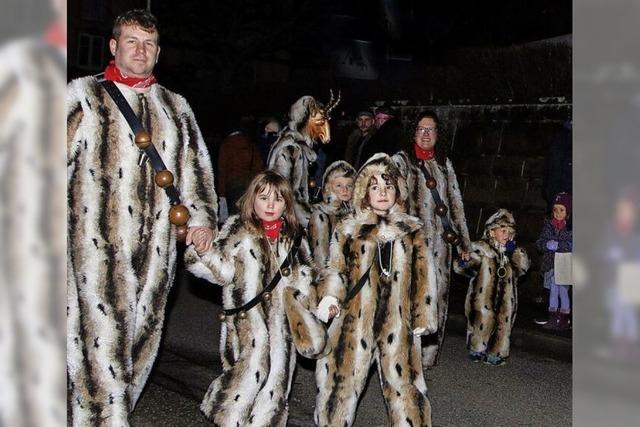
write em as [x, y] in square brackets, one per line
[337, 191]
[379, 274]
[426, 153]
[258, 343]
[492, 299]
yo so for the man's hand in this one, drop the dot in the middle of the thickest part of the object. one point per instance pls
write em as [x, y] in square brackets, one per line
[201, 238]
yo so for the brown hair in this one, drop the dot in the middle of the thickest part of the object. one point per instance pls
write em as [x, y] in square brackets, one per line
[388, 178]
[138, 17]
[440, 147]
[274, 182]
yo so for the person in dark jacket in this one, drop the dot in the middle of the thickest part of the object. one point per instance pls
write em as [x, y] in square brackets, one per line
[388, 137]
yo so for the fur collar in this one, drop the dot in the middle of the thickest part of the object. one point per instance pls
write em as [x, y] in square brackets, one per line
[382, 229]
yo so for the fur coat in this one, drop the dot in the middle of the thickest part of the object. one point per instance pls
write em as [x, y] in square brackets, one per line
[422, 205]
[377, 325]
[122, 248]
[492, 301]
[326, 214]
[258, 352]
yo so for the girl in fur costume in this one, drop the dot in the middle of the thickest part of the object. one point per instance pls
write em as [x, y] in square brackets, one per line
[492, 299]
[337, 191]
[379, 284]
[259, 342]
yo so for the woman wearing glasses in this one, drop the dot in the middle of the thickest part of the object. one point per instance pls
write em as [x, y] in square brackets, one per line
[435, 198]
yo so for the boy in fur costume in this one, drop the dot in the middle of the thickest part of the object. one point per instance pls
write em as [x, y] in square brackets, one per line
[121, 256]
[293, 153]
[492, 299]
[337, 191]
[427, 153]
[379, 284]
[258, 343]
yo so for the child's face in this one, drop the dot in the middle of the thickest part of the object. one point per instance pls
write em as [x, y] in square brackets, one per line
[382, 194]
[500, 234]
[269, 204]
[559, 212]
[342, 188]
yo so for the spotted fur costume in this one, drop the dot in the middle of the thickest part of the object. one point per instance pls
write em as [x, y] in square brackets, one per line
[258, 352]
[121, 246]
[326, 214]
[292, 154]
[377, 324]
[422, 205]
[492, 301]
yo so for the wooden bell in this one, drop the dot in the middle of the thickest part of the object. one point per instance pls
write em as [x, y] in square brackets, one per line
[222, 317]
[450, 237]
[441, 209]
[178, 215]
[242, 315]
[312, 183]
[431, 183]
[181, 232]
[143, 139]
[164, 178]
[286, 271]
[266, 296]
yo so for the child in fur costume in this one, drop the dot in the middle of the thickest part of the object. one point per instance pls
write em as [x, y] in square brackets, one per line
[492, 299]
[259, 343]
[379, 283]
[337, 191]
[556, 237]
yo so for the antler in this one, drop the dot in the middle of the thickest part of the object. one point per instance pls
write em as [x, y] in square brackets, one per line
[331, 104]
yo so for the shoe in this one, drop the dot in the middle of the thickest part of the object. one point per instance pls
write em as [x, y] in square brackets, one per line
[564, 321]
[476, 356]
[541, 321]
[494, 360]
[554, 319]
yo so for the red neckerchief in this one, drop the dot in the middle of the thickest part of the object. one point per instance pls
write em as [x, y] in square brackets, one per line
[113, 73]
[422, 154]
[272, 228]
[56, 36]
[558, 224]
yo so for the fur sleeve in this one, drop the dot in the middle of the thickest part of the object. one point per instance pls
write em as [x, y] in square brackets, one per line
[75, 114]
[470, 268]
[334, 277]
[457, 207]
[423, 283]
[197, 187]
[520, 262]
[319, 237]
[218, 265]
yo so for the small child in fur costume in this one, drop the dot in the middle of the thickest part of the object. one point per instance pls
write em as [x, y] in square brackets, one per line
[492, 299]
[258, 344]
[337, 192]
[379, 282]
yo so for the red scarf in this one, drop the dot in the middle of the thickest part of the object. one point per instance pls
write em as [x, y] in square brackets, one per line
[56, 35]
[422, 154]
[272, 228]
[113, 73]
[558, 224]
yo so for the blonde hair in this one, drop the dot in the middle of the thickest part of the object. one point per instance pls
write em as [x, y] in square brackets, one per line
[274, 182]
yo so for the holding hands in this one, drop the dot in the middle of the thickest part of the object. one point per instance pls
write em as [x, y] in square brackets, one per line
[201, 238]
[328, 309]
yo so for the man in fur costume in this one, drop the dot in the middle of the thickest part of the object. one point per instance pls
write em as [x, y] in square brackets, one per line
[426, 153]
[293, 153]
[337, 191]
[492, 299]
[380, 321]
[122, 248]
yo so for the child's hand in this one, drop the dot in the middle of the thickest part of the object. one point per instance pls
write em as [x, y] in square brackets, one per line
[328, 309]
[552, 245]
[419, 331]
[510, 246]
[201, 237]
[465, 256]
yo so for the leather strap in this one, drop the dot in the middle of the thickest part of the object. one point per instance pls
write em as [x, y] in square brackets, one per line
[354, 291]
[436, 197]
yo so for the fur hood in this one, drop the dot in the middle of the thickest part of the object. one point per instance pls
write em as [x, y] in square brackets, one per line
[379, 163]
[298, 116]
[502, 218]
[338, 169]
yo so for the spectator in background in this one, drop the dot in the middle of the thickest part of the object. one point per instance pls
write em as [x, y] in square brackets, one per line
[239, 160]
[268, 136]
[388, 137]
[359, 136]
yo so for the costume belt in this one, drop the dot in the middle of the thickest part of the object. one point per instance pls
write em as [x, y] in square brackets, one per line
[449, 235]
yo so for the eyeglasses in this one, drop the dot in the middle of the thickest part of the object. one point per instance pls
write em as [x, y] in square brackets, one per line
[428, 131]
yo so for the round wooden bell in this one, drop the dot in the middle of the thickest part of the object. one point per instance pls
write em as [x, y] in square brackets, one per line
[286, 271]
[242, 315]
[441, 209]
[266, 296]
[222, 317]
[178, 215]
[143, 139]
[312, 183]
[431, 183]
[163, 178]
[449, 236]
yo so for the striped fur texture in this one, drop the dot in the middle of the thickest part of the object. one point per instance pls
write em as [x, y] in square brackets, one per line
[377, 325]
[326, 214]
[491, 302]
[122, 249]
[422, 205]
[258, 352]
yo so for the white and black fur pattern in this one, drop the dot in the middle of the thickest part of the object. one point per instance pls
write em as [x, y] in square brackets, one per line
[122, 248]
[492, 301]
[258, 352]
[326, 214]
[377, 324]
[422, 205]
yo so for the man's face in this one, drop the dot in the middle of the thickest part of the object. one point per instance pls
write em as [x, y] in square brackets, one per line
[136, 51]
[364, 123]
